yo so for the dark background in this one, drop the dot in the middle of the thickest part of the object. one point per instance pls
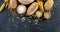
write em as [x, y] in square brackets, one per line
[16, 23]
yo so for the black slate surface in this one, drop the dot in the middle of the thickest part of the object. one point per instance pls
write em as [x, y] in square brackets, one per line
[16, 23]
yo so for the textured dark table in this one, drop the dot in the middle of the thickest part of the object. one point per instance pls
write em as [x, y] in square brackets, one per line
[19, 24]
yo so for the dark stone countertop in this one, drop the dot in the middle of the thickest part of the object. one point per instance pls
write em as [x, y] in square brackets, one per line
[10, 23]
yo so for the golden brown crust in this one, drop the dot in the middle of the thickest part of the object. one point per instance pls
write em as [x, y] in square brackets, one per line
[13, 4]
[32, 8]
[48, 4]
